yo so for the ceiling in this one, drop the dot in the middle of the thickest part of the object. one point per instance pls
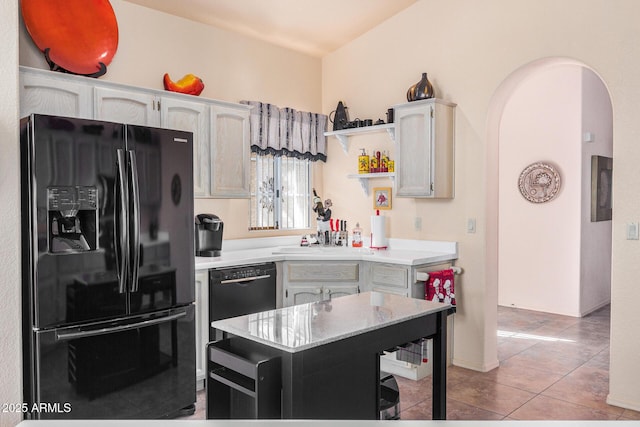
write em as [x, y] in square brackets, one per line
[314, 27]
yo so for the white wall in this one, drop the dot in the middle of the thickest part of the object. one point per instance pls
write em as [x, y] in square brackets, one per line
[549, 113]
[595, 265]
[539, 264]
[10, 332]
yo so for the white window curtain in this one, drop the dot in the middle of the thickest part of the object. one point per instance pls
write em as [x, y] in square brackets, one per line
[287, 132]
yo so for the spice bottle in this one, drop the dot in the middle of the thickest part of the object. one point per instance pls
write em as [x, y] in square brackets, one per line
[373, 163]
[356, 238]
[384, 162]
[363, 162]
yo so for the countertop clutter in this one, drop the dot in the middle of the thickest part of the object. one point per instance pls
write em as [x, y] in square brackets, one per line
[400, 251]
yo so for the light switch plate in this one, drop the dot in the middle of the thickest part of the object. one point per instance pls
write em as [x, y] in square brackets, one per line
[471, 225]
[632, 231]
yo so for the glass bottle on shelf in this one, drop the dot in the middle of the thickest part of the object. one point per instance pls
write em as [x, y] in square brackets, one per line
[356, 239]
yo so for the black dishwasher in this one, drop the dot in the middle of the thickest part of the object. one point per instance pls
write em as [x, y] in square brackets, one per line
[241, 290]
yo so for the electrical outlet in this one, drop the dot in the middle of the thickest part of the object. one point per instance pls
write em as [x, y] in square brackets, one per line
[632, 231]
[417, 223]
[471, 225]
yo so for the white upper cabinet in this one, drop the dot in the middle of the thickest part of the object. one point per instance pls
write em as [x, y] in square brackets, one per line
[49, 95]
[192, 117]
[126, 106]
[425, 149]
[221, 153]
[230, 154]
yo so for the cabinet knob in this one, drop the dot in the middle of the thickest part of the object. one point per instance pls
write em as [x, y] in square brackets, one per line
[318, 290]
[327, 291]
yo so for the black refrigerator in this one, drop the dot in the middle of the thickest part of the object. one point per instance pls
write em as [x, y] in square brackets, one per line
[108, 270]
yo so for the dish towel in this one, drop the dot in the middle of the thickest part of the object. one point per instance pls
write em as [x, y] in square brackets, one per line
[440, 287]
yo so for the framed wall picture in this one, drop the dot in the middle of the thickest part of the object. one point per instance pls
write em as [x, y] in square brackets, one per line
[382, 198]
[601, 180]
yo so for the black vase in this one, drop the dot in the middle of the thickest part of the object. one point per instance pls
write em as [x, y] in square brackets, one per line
[421, 90]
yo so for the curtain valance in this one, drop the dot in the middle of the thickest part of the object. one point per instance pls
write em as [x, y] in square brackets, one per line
[287, 132]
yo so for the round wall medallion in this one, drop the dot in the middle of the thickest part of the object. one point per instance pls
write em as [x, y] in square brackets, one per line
[539, 182]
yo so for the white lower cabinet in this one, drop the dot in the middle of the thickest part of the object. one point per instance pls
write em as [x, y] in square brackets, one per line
[308, 281]
[389, 278]
[303, 294]
[202, 326]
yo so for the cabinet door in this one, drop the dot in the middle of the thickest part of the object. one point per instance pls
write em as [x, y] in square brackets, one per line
[229, 152]
[129, 107]
[54, 96]
[192, 117]
[414, 150]
[303, 294]
[331, 292]
[202, 325]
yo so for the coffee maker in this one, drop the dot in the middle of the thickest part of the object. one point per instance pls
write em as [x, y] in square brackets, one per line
[208, 235]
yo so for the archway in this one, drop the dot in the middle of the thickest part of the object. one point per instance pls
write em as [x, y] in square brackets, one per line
[499, 111]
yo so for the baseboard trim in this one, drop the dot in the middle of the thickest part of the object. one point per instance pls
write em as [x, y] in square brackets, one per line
[634, 406]
[594, 308]
[486, 367]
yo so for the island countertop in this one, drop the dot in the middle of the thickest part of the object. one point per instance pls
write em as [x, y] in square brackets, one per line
[300, 327]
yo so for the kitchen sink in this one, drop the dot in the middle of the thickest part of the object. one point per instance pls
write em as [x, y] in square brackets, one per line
[322, 250]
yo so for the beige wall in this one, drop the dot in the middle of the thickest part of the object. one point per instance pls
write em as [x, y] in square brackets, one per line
[473, 52]
[10, 333]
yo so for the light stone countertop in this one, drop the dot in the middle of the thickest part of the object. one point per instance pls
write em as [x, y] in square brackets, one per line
[300, 327]
[256, 251]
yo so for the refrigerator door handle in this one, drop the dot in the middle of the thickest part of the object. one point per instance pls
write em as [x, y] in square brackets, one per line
[76, 334]
[135, 221]
[120, 224]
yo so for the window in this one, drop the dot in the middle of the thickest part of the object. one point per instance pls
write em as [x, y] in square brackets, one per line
[280, 192]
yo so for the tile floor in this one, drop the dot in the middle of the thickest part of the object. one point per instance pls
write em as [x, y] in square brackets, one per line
[552, 367]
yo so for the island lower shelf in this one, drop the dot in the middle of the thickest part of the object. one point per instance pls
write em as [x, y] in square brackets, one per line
[242, 382]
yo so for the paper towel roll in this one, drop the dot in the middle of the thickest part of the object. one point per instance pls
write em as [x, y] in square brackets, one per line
[378, 234]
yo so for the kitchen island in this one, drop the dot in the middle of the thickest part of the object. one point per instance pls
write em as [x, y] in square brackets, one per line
[323, 356]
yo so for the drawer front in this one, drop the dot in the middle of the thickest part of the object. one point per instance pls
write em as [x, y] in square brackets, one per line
[387, 275]
[323, 272]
